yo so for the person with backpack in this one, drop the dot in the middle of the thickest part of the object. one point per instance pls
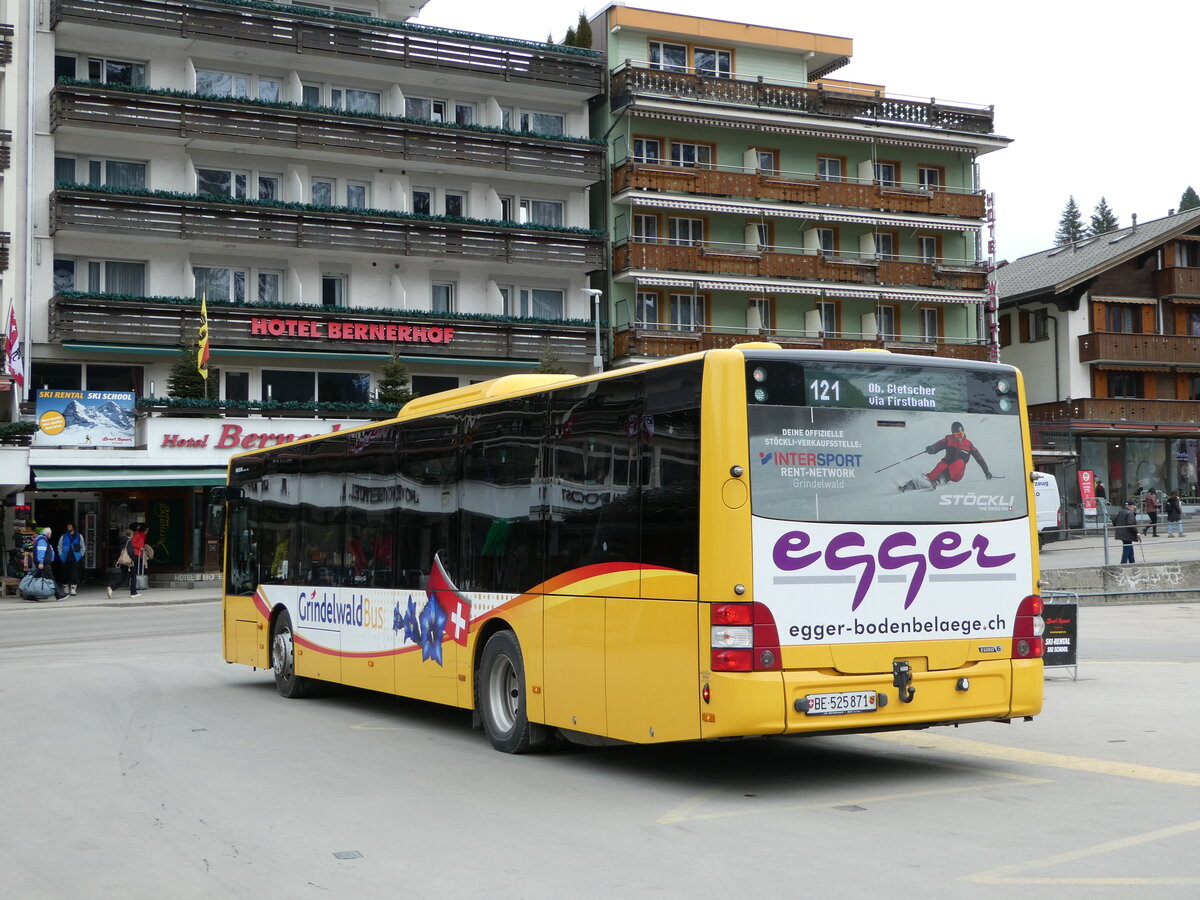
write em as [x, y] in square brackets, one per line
[1174, 514]
[70, 555]
[43, 561]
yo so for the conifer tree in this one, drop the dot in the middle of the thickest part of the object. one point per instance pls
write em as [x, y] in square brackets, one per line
[393, 385]
[1104, 219]
[184, 380]
[1070, 226]
[569, 40]
[1189, 200]
[583, 32]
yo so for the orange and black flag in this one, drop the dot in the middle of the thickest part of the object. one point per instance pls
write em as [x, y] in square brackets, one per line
[202, 339]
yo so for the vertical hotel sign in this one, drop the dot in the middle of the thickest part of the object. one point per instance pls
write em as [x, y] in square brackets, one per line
[85, 419]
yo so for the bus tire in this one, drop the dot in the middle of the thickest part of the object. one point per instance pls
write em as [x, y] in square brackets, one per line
[501, 692]
[283, 661]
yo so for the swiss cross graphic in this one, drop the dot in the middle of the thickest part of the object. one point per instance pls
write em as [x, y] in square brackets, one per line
[456, 607]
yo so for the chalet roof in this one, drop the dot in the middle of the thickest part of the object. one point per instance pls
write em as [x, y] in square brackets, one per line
[1064, 267]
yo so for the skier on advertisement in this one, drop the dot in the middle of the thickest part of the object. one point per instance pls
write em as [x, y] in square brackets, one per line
[958, 451]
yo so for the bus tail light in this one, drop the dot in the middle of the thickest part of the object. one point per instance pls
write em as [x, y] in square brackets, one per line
[744, 638]
[1029, 628]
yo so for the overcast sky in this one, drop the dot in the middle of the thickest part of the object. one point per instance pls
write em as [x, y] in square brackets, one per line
[1098, 103]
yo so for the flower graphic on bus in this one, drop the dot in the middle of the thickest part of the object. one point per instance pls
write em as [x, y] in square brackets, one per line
[427, 629]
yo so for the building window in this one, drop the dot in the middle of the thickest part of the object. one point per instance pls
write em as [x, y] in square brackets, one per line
[685, 154]
[930, 178]
[686, 311]
[442, 295]
[115, 71]
[887, 174]
[1039, 325]
[65, 66]
[713, 63]
[646, 310]
[829, 168]
[826, 240]
[283, 385]
[237, 386]
[927, 248]
[1125, 385]
[930, 325]
[543, 123]
[422, 201]
[222, 183]
[423, 108]
[107, 172]
[223, 283]
[356, 195]
[829, 317]
[762, 234]
[543, 212]
[464, 113]
[456, 204]
[333, 290]
[1192, 324]
[353, 100]
[668, 57]
[1123, 319]
[885, 322]
[310, 94]
[768, 161]
[885, 245]
[100, 275]
[322, 192]
[647, 150]
[766, 312]
[645, 229]
[685, 231]
[222, 84]
[541, 303]
[48, 376]
[268, 187]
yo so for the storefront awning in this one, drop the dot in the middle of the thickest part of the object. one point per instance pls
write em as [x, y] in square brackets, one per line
[55, 478]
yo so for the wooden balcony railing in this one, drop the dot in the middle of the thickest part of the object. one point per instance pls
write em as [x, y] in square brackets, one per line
[5, 240]
[145, 322]
[191, 118]
[793, 188]
[643, 343]
[1119, 412]
[793, 263]
[631, 80]
[6, 44]
[196, 218]
[350, 39]
[1138, 348]
[1177, 282]
[5, 150]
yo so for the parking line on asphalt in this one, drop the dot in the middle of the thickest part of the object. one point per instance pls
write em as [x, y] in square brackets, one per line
[1011, 874]
[1041, 758]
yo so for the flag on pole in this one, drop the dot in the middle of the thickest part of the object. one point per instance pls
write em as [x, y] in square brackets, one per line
[202, 351]
[14, 362]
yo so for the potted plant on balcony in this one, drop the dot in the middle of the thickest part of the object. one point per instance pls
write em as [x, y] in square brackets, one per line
[17, 434]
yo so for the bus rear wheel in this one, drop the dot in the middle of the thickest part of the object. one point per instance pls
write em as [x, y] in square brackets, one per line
[501, 697]
[283, 661]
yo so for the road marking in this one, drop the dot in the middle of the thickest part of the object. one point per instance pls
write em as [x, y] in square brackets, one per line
[1041, 758]
[1009, 874]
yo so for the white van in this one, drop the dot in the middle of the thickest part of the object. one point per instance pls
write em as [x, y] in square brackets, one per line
[1047, 503]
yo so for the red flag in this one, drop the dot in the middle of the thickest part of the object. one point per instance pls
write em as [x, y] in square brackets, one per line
[14, 362]
[456, 607]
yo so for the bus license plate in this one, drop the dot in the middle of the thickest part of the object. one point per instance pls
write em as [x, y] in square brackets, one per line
[841, 704]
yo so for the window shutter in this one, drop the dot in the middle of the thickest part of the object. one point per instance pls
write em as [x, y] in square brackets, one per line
[1098, 316]
[1005, 330]
[1024, 320]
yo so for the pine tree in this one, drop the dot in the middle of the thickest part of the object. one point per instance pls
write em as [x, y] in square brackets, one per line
[1104, 219]
[569, 40]
[393, 386]
[1189, 200]
[184, 380]
[1070, 226]
[583, 32]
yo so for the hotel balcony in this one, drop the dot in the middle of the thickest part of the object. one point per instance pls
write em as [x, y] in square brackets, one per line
[1116, 414]
[177, 116]
[5, 240]
[6, 44]
[801, 264]
[632, 81]
[169, 217]
[5, 149]
[794, 187]
[86, 321]
[632, 345]
[1139, 349]
[1177, 282]
[352, 39]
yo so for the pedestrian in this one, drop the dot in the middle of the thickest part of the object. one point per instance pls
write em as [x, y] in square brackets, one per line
[1174, 514]
[70, 554]
[1125, 522]
[138, 541]
[125, 565]
[1152, 512]
[43, 560]
[1100, 492]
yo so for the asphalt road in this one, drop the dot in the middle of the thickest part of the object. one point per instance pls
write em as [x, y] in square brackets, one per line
[138, 764]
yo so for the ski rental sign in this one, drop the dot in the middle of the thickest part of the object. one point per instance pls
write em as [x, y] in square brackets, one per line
[69, 418]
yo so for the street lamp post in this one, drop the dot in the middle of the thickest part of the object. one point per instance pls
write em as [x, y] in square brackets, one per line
[596, 294]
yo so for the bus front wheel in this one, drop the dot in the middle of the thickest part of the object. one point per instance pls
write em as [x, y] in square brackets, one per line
[283, 661]
[501, 697]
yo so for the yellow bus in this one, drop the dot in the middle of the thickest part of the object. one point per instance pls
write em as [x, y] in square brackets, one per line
[739, 542]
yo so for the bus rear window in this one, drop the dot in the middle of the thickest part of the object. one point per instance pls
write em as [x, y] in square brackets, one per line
[837, 442]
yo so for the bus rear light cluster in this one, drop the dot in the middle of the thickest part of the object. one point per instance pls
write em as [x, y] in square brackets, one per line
[1029, 628]
[744, 638]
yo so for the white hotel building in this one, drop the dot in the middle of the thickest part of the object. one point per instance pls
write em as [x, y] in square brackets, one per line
[338, 184]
